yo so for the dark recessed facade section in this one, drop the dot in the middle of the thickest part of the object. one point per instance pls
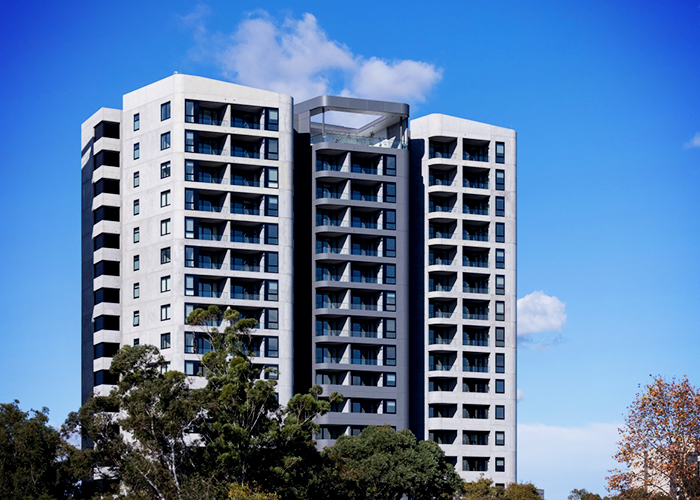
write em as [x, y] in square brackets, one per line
[105, 377]
[105, 350]
[106, 322]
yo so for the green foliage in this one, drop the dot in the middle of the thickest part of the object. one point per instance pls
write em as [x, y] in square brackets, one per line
[484, 489]
[245, 492]
[521, 491]
[385, 464]
[35, 461]
[583, 494]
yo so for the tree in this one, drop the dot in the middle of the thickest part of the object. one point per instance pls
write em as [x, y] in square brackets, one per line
[583, 494]
[140, 430]
[35, 461]
[522, 491]
[382, 463]
[484, 489]
[660, 441]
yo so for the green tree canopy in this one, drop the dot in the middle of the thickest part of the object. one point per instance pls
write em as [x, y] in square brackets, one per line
[383, 464]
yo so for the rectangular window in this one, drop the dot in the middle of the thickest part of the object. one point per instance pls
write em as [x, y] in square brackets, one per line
[390, 380]
[137, 263]
[389, 355]
[137, 290]
[137, 207]
[189, 256]
[137, 179]
[500, 285]
[189, 285]
[189, 228]
[271, 149]
[136, 342]
[389, 328]
[500, 206]
[390, 192]
[165, 255]
[164, 227]
[271, 262]
[389, 219]
[500, 311]
[137, 122]
[165, 341]
[189, 170]
[271, 319]
[189, 143]
[165, 284]
[390, 301]
[390, 406]
[137, 318]
[390, 165]
[500, 464]
[272, 206]
[500, 363]
[500, 258]
[500, 232]
[500, 438]
[272, 120]
[500, 180]
[165, 312]
[272, 347]
[189, 199]
[165, 198]
[500, 336]
[500, 152]
[137, 151]
[272, 177]
[165, 170]
[137, 235]
[189, 111]
[271, 290]
[500, 386]
[390, 274]
[500, 412]
[165, 111]
[165, 141]
[390, 246]
[271, 234]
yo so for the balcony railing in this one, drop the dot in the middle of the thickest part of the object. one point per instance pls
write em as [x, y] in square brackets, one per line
[381, 142]
[365, 307]
[475, 263]
[333, 250]
[365, 279]
[210, 237]
[365, 361]
[204, 207]
[239, 153]
[245, 296]
[364, 224]
[241, 238]
[440, 368]
[476, 342]
[246, 267]
[330, 305]
[440, 288]
[364, 197]
[330, 277]
[245, 210]
[474, 289]
[328, 359]
[440, 262]
[207, 179]
[366, 252]
[440, 314]
[474, 236]
[211, 265]
[362, 169]
[441, 208]
[440, 234]
[210, 293]
[479, 316]
[440, 341]
[365, 334]
[238, 181]
[475, 211]
[475, 369]
[331, 222]
[330, 333]
[475, 184]
[439, 181]
[468, 157]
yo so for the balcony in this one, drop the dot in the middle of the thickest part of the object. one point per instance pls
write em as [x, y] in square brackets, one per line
[440, 314]
[244, 238]
[205, 207]
[210, 265]
[328, 359]
[478, 315]
[365, 307]
[476, 184]
[441, 208]
[441, 234]
[466, 288]
[475, 210]
[467, 262]
[475, 236]
[239, 180]
[466, 367]
[365, 252]
[330, 250]
[244, 210]
[475, 156]
[245, 267]
[440, 181]
[209, 236]
[365, 279]
[245, 295]
[380, 142]
[359, 196]
[440, 287]
[210, 294]
[365, 361]
[440, 261]
[364, 224]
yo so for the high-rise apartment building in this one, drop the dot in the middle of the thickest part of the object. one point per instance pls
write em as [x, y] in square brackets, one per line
[377, 264]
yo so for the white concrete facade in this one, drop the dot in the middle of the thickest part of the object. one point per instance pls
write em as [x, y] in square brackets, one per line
[205, 191]
[468, 179]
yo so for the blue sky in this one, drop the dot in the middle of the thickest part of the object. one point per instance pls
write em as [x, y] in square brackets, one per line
[604, 95]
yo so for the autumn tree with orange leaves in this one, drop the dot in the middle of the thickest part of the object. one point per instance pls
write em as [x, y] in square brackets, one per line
[660, 442]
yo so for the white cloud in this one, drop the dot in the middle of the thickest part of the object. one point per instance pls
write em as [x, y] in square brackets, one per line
[539, 312]
[297, 57]
[559, 459]
[693, 143]
[519, 395]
